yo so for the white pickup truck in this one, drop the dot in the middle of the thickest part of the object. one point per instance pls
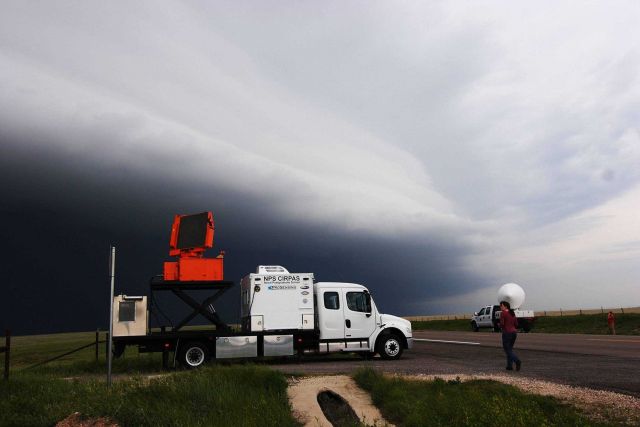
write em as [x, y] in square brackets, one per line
[489, 317]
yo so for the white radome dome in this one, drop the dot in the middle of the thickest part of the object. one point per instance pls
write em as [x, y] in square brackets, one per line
[512, 293]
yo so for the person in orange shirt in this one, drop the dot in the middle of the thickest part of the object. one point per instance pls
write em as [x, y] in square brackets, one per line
[611, 322]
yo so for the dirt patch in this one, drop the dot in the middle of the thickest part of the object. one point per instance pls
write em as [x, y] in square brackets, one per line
[303, 395]
[599, 405]
[78, 420]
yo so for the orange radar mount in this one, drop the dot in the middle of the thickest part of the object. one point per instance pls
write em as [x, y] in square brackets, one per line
[191, 236]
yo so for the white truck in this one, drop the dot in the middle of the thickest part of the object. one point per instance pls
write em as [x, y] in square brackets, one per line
[282, 314]
[489, 316]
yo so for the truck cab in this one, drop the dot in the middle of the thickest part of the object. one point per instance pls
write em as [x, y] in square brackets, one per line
[486, 317]
[348, 320]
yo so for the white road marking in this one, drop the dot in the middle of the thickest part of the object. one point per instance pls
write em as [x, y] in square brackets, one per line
[448, 342]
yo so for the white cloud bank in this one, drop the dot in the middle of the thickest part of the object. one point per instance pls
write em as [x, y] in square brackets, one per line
[509, 129]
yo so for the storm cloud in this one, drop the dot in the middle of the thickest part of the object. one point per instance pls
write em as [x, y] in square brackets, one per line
[430, 152]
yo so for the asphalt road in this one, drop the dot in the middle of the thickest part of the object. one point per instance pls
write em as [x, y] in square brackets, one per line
[595, 361]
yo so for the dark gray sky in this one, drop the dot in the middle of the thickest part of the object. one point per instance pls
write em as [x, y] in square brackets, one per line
[429, 151]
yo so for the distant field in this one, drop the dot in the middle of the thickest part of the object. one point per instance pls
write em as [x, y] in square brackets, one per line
[30, 349]
[626, 324]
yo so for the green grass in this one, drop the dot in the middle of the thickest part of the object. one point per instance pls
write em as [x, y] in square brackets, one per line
[218, 395]
[30, 349]
[473, 403]
[237, 395]
[626, 324]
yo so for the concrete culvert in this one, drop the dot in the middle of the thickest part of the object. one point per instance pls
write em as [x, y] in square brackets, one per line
[337, 410]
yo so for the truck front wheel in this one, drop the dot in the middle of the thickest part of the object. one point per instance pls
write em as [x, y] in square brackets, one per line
[474, 327]
[389, 346]
[193, 354]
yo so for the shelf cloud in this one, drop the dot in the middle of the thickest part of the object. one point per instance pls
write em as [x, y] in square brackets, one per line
[429, 151]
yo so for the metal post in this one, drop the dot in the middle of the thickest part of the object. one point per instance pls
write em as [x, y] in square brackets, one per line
[7, 354]
[97, 342]
[112, 269]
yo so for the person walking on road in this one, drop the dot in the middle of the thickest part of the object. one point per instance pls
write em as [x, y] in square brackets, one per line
[509, 325]
[611, 322]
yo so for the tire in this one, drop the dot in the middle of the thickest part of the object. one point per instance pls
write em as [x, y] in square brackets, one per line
[194, 354]
[389, 346]
[474, 326]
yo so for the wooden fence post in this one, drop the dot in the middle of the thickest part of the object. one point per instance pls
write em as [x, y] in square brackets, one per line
[7, 353]
[97, 342]
[106, 351]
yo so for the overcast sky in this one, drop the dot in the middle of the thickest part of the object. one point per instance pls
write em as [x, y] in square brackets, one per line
[431, 151]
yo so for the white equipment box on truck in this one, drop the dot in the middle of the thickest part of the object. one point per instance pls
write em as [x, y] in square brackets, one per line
[274, 299]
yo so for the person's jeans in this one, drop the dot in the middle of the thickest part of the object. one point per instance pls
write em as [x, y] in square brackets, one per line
[508, 340]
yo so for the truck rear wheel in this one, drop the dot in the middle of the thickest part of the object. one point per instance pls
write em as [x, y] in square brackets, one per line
[193, 354]
[389, 346]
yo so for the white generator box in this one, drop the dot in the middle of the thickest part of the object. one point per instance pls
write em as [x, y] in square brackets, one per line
[274, 299]
[130, 316]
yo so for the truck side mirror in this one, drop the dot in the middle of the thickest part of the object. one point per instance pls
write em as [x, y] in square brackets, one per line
[475, 313]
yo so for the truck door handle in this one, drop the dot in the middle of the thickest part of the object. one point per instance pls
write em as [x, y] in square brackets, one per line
[348, 322]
